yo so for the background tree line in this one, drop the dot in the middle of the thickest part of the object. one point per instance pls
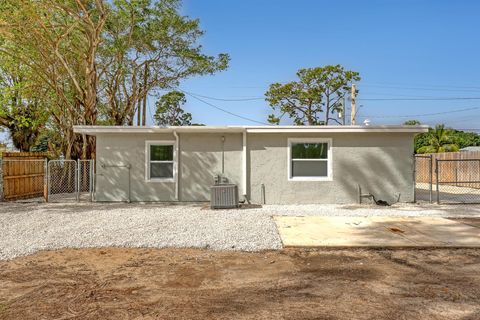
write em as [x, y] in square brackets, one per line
[442, 139]
[90, 62]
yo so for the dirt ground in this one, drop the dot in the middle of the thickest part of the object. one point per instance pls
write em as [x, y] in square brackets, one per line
[118, 283]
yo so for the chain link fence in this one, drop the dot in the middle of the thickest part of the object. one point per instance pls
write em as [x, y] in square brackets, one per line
[41, 180]
[86, 180]
[457, 180]
[447, 180]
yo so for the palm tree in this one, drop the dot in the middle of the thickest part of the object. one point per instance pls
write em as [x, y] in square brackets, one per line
[440, 140]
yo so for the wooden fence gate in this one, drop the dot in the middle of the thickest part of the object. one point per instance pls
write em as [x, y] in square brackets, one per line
[31, 177]
[22, 176]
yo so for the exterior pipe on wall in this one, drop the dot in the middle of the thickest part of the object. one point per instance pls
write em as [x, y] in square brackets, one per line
[177, 150]
[244, 165]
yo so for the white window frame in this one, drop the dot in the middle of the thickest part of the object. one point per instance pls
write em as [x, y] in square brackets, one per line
[148, 162]
[329, 159]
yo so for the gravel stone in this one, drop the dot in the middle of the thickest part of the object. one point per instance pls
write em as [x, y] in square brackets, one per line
[29, 227]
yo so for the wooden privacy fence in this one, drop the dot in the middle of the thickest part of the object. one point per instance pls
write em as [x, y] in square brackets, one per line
[464, 170]
[23, 175]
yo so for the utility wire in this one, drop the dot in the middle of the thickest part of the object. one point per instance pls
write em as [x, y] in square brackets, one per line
[224, 99]
[419, 99]
[422, 115]
[363, 99]
[223, 110]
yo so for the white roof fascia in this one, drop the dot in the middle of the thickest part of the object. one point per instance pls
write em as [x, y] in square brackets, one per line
[94, 130]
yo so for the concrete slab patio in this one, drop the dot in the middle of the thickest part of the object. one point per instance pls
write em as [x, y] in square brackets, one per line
[376, 231]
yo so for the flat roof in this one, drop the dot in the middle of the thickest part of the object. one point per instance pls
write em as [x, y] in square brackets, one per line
[95, 130]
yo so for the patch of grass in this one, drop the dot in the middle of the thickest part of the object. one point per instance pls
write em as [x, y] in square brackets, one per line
[3, 308]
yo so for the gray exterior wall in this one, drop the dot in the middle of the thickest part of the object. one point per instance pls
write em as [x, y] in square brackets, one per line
[381, 163]
[200, 159]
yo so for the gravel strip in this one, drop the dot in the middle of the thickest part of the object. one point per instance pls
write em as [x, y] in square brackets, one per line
[26, 227]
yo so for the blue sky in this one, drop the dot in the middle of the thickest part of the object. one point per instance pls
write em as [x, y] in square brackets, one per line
[402, 49]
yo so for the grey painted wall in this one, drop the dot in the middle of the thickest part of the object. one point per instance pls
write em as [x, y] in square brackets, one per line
[200, 159]
[112, 183]
[381, 163]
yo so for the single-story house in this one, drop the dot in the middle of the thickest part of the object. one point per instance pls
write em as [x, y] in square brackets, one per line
[470, 149]
[269, 164]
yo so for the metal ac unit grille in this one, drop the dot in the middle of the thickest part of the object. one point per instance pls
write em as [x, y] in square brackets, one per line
[224, 196]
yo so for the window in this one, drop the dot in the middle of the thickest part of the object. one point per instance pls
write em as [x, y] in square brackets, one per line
[309, 159]
[160, 160]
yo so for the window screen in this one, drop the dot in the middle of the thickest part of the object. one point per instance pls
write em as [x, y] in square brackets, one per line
[309, 159]
[161, 162]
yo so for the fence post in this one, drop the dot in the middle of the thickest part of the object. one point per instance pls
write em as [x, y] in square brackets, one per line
[46, 178]
[430, 173]
[437, 173]
[91, 177]
[414, 178]
[1, 180]
[77, 179]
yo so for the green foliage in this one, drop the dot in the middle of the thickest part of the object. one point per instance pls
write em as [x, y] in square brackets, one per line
[412, 123]
[149, 46]
[439, 139]
[91, 62]
[465, 139]
[169, 111]
[442, 139]
[317, 90]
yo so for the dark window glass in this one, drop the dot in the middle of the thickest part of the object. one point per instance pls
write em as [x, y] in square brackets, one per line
[161, 153]
[309, 150]
[161, 170]
[309, 169]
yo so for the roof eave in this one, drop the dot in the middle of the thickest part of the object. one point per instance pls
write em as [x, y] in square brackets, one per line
[94, 130]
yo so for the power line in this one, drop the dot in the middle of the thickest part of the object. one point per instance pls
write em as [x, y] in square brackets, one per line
[420, 99]
[363, 99]
[418, 85]
[421, 115]
[225, 99]
[223, 110]
[422, 88]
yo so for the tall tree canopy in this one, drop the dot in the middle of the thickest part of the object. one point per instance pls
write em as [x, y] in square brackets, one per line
[169, 110]
[95, 61]
[317, 90]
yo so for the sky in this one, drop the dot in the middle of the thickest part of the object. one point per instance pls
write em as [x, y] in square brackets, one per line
[405, 49]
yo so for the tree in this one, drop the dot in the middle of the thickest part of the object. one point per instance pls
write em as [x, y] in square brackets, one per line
[21, 112]
[439, 139]
[58, 41]
[412, 123]
[169, 111]
[317, 90]
[94, 61]
[149, 46]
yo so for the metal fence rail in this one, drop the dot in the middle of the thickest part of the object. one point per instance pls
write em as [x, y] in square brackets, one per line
[457, 180]
[423, 180]
[32, 180]
[447, 179]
